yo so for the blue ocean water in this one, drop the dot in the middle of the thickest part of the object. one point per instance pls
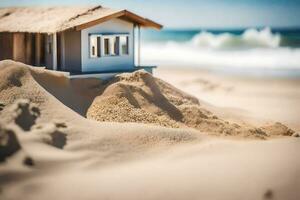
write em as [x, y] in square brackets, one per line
[263, 51]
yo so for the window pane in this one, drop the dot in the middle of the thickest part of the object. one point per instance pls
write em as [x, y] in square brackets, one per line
[106, 46]
[116, 45]
[98, 46]
[112, 45]
[124, 45]
[93, 46]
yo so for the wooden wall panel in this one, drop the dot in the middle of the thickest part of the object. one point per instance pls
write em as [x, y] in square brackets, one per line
[29, 48]
[38, 49]
[19, 47]
[6, 46]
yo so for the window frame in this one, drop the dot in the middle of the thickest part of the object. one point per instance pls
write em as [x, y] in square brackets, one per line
[120, 45]
[95, 37]
[112, 45]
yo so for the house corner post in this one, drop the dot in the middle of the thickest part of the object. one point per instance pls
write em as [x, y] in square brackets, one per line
[62, 51]
[54, 53]
[139, 45]
[134, 45]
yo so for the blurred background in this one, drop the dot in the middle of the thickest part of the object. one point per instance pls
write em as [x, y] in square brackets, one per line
[245, 37]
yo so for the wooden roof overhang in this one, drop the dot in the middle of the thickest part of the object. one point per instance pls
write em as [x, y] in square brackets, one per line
[124, 15]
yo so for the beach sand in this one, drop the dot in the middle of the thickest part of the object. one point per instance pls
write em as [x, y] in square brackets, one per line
[138, 137]
[258, 99]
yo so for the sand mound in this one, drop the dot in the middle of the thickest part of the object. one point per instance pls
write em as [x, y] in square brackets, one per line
[140, 97]
[278, 129]
[120, 141]
[134, 97]
[17, 83]
[50, 91]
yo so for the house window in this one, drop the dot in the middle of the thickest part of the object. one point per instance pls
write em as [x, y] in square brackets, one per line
[124, 45]
[113, 45]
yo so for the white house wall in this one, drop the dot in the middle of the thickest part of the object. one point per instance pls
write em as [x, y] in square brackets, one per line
[109, 63]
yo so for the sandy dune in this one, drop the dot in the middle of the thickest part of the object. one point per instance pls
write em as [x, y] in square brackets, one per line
[258, 99]
[52, 151]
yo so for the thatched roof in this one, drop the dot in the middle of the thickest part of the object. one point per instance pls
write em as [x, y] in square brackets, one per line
[56, 19]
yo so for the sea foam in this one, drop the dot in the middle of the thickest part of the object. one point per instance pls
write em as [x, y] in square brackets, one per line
[251, 38]
[253, 49]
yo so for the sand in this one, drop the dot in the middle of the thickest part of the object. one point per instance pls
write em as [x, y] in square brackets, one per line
[140, 97]
[258, 100]
[58, 141]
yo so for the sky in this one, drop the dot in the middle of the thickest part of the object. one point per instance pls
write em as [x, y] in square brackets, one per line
[197, 13]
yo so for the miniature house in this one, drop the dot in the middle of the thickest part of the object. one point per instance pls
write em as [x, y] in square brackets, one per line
[78, 40]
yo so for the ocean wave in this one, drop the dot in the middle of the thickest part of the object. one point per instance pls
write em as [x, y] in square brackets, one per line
[181, 55]
[251, 38]
[253, 49]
